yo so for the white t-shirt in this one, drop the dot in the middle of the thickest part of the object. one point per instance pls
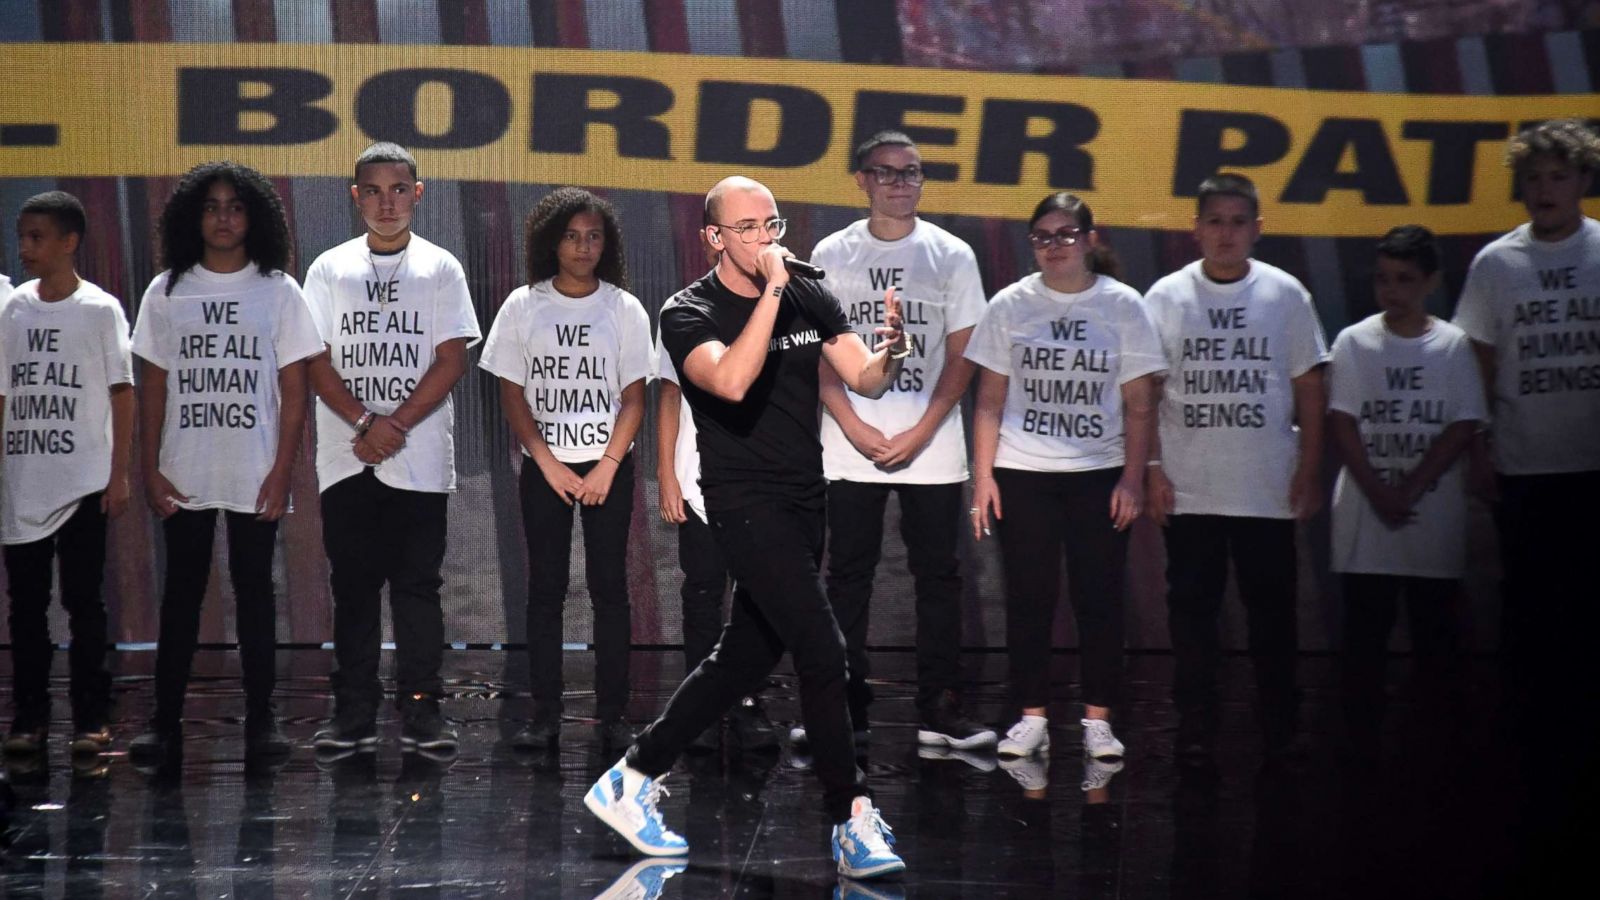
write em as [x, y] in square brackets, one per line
[1538, 304]
[572, 357]
[686, 451]
[1067, 357]
[5, 288]
[58, 362]
[222, 339]
[382, 338]
[1228, 438]
[1403, 392]
[940, 292]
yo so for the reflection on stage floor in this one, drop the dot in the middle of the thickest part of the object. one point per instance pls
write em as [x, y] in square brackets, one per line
[1437, 813]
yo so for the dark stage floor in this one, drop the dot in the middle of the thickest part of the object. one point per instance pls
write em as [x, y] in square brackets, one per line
[1443, 814]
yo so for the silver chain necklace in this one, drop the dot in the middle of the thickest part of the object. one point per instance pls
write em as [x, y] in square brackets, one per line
[383, 296]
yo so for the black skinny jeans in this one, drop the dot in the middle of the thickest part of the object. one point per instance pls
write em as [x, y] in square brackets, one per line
[80, 545]
[774, 549]
[376, 534]
[547, 526]
[1044, 513]
[1371, 603]
[251, 543]
[1263, 553]
[930, 523]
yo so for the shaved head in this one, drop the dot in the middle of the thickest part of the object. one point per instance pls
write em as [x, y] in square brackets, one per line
[714, 196]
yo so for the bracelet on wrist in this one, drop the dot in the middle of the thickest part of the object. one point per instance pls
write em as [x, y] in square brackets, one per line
[610, 457]
[1152, 463]
[364, 422]
[400, 426]
[902, 353]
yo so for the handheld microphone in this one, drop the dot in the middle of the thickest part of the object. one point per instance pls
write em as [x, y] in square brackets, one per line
[803, 268]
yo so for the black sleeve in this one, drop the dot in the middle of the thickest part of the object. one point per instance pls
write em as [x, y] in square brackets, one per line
[821, 306]
[685, 326]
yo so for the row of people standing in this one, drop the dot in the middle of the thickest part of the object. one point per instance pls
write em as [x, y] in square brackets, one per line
[1072, 365]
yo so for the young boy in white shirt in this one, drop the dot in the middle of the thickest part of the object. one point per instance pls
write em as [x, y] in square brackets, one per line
[1239, 452]
[395, 314]
[66, 398]
[224, 334]
[1404, 400]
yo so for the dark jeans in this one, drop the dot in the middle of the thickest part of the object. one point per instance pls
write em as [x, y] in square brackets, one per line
[1548, 614]
[547, 525]
[1044, 513]
[373, 534]
[705, 583]
[80, 545]
[930, 523]
[774, 550]
[251, 543]
[1264, 561]
[1371, 603]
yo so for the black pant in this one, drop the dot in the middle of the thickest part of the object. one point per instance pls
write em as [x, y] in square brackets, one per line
[1263, 554]
[1370, 604]
[774, 549]
[1548, 615]
[930, 523]
[374, 533]
[80, 545]
[251, 543]
[705, 583]
[547, 524]
[1042, 514]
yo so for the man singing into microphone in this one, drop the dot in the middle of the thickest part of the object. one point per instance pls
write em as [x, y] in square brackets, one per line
[746, 339]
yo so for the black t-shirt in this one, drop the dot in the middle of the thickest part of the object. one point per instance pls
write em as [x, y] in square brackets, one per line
[767, 445]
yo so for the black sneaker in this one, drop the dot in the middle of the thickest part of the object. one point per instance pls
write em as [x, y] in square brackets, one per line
[28, 734]
[423, 726]
[543, 733]
[91, 740]
[262, 737]
[155, 746]
[947, 726]
[347, 730]
[614, 733]
[749, 726]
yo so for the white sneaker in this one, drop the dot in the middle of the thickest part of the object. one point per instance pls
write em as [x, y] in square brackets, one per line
[797, 734]
[1098, 741]
[1032, 772]
[1030, 735]
[1097, 773]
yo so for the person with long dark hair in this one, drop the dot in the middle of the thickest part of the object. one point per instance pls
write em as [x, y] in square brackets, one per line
[1061, 431]
[224, 334]
[571, 351]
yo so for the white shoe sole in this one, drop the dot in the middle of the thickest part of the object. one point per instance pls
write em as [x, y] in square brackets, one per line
[1015, 753]
[884, 868]
[940, 739]
[615, 822]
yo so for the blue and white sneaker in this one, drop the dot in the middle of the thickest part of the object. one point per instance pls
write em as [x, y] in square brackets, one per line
[625, 799]
[644, 881]
[861, 846]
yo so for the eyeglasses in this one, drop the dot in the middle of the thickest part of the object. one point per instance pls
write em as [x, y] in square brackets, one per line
[751, 233]
[886, 175]
[1066, 237]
